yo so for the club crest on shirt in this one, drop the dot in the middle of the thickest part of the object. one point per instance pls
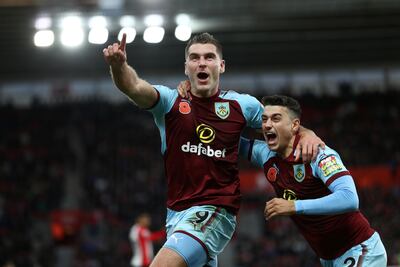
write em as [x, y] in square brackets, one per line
[299, 172]
[184, 107]
[222, 109]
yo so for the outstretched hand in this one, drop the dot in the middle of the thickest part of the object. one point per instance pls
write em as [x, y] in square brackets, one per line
[184, 89]
[115, 54]
[279, 207]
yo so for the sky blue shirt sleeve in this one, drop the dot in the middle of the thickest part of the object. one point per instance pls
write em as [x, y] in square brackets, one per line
[256, 151]
[166, 100]
[344, 196]
[252, 108]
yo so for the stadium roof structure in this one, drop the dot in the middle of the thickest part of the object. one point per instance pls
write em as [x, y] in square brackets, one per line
[256, 34]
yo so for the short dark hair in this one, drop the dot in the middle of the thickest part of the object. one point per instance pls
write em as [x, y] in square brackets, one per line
[204, 38]
[285, 101]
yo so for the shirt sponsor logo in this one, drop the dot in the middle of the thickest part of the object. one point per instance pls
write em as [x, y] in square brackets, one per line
[289, 195]
[199, 149]
[205, 133]
[299, 172]
[330, 166]
[222, 109]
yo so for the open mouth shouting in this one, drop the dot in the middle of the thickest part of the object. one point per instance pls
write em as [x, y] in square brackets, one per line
[271, 138]
[203, 77]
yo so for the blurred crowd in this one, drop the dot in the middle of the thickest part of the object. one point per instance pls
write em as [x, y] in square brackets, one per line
[73, 176]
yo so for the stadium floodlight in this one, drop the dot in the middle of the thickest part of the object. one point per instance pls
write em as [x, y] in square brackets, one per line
[182, 19]
[153, 34]
[72, 34]
[43, 23]
[43, 38]
[72, 37]
[153, 20]
[130, 34]
[183, 32]
[98, 35]
[71, 22]
[127, 21]
[97, 22]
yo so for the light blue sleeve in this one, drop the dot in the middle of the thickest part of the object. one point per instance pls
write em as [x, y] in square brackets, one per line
[167, 97]
[164, 104]
[256, 151]
[252, 108]
[327, 164]
[343, 199]
[344, 196]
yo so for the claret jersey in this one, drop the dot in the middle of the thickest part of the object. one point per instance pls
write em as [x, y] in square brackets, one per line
[199, 143]
[329, 235]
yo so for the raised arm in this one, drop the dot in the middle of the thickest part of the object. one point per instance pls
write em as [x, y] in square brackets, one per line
[125, 77]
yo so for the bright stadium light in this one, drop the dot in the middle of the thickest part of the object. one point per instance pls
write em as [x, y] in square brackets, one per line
[182, 19]
[72, 34]
[130, 34]
[153, 20]
[71, 22]
[153, 34]
[72, 37]
[43, 38]
[183, 32]
[43, 23]
[98, 22]
[98, 35]
[127, 21]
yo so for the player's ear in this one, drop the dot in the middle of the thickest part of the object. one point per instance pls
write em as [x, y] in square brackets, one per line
[222, 66]
[186, 71]
[295, 125]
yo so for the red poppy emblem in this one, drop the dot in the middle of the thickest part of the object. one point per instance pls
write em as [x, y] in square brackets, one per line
[271, 174]
[184, 107]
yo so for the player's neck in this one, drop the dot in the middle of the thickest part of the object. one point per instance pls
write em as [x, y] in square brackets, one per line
[204, 93]
[288, 150]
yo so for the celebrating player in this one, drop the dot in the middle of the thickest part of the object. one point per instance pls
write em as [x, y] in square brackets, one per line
[199, 142]
[320, 197]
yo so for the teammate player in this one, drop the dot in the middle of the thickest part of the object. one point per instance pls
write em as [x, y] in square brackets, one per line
[320, 197]
[142, 241]
[199, 142]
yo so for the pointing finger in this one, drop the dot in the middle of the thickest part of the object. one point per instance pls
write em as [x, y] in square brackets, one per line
[122, 46]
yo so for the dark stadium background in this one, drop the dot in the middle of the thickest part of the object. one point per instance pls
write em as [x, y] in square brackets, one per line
[78, 162]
